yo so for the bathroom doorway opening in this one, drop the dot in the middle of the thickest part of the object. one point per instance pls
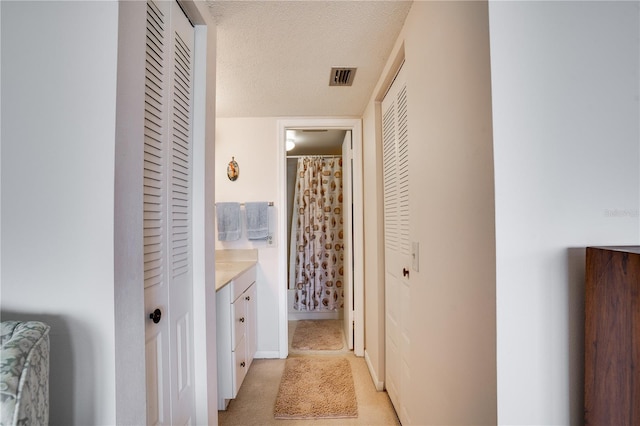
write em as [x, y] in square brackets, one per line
[317, 264]
[334, 144]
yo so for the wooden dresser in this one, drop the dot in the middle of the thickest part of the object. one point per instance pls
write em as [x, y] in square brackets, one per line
[612, 336]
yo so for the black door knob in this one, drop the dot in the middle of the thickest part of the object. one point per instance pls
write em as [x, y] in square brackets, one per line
[156, 315]
[405, 272]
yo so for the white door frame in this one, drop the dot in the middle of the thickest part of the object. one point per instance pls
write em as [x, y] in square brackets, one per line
[355, 125]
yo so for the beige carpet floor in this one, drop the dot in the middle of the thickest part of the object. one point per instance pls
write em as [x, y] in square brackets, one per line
[256, 400]
[318, 335]
[315, 387]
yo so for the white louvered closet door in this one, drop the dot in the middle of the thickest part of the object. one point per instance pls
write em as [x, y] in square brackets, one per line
[167, 214]
[395, 159]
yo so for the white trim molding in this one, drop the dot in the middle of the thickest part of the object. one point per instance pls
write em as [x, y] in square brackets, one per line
[355, 125]
[379, 384]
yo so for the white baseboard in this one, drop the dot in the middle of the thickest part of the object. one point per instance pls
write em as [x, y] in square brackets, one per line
[267, 354]
[374, 376]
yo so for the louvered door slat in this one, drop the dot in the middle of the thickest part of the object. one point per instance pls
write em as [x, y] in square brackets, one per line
[181, 120]
[390, 178]
[152, 116]
[182, 85]
[153, 240]
[153, 152]
[181, 158]
[403, 173]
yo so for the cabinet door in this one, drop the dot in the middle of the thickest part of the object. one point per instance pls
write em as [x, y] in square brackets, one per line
[242, 282]
[612, 336]
[239, 312]
[240, 365]
[252, 341]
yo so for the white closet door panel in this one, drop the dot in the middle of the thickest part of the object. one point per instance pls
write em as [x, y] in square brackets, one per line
[395, 162]
[392, 244]
[156, 411]
[167, 213]
[179, 166]
[154, 189]
[183, 361]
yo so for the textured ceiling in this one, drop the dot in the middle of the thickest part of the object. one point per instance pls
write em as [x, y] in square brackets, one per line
[274, 57]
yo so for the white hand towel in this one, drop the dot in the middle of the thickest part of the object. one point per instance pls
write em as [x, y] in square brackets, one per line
[257, 220]
[228, 215]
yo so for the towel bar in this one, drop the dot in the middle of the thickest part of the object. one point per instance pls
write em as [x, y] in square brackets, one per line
[270, 203]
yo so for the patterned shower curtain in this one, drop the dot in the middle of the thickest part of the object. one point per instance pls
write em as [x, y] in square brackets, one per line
[319, 246]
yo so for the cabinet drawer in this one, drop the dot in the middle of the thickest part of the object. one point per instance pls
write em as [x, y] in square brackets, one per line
[240, 366]
[242, 282]
[239, 315]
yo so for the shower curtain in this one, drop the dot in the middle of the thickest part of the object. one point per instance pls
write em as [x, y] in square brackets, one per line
[318, 225]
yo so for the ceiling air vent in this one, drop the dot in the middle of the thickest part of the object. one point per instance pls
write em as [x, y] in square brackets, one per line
[342, 76]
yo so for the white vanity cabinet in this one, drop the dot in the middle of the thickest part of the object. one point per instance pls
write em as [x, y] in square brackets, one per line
[236, 333]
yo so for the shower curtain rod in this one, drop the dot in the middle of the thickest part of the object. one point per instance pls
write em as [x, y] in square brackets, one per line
[316, 156]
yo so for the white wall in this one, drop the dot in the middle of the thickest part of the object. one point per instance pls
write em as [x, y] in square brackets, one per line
[58, 132]
[453, 329]
[204, 297]
[254, 144]
[565, 79]
[373, 244]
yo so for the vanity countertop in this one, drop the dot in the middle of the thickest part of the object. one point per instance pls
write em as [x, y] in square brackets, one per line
[226, 271]
[232, 263]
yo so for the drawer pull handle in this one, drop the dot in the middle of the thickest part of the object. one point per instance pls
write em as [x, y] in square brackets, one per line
[242, 364]
[242, 319]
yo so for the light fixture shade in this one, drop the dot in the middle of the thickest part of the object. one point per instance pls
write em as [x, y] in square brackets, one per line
[290, 144]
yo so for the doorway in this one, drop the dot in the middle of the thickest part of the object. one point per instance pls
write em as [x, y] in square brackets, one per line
[318, 265]
[353, 312]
